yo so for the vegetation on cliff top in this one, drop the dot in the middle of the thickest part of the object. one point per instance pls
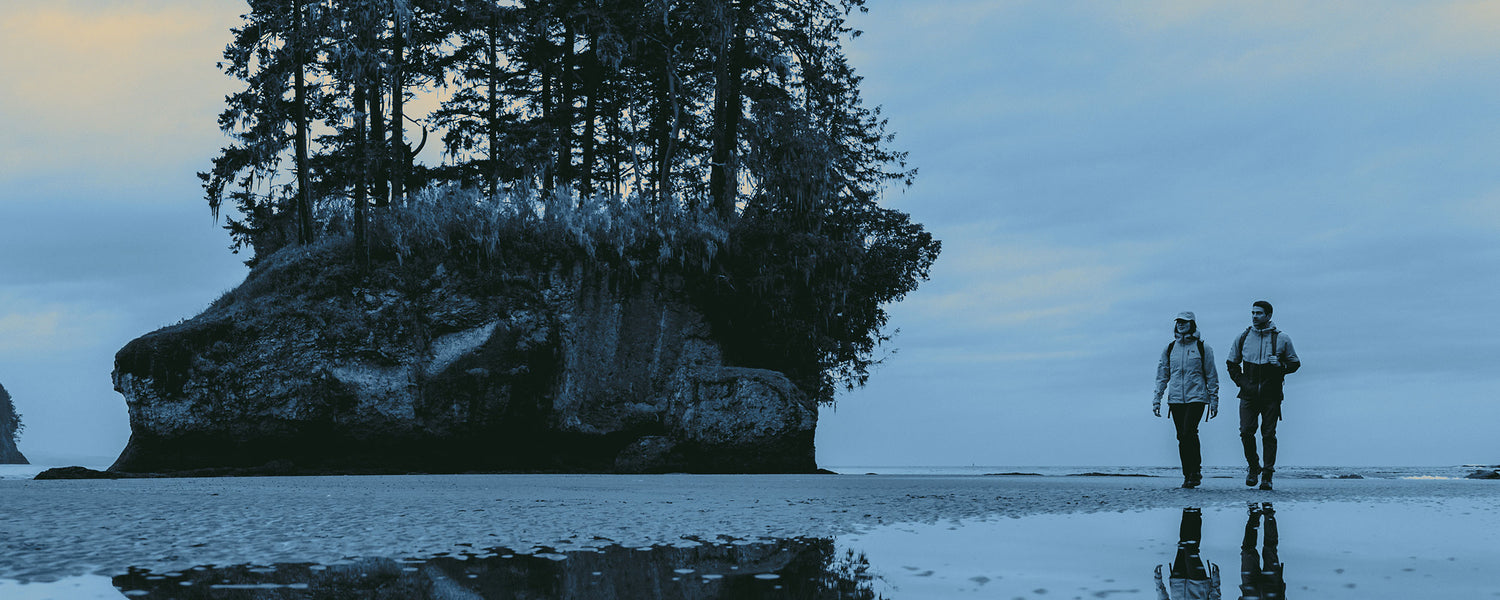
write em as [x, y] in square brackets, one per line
[723, 140]
[10, 420]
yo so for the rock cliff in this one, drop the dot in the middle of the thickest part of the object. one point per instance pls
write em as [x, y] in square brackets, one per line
[426, 366]
[10, 425]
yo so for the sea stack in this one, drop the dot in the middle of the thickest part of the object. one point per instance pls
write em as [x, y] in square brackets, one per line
[10, 426]
[311, 367]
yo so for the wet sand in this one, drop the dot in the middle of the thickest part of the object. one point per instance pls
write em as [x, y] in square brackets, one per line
[55, 529]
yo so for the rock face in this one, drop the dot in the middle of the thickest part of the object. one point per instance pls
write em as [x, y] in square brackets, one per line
[447, 370]
[10, 424]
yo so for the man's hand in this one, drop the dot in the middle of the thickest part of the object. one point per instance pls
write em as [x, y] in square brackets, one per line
[1156, 409]
[1213, 410]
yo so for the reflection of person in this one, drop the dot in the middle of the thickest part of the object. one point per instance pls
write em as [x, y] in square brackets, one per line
[1191, 577]
[1261, 576]
[1186, 374]
[1258, 363]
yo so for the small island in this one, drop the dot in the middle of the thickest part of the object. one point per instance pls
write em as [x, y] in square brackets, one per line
[10, 429]
[649, 245]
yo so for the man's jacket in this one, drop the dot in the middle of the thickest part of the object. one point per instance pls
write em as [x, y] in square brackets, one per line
[1250, 365]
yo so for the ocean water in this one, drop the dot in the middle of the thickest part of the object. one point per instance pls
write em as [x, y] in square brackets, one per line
[1329, 550]
[1211, 472]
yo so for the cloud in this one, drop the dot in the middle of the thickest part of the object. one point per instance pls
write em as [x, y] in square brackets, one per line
[91, 85]
[30, 329]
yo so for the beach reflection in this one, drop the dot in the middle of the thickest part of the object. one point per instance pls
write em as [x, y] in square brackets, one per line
[1190, 575]
[796, 568]
[1261, 571]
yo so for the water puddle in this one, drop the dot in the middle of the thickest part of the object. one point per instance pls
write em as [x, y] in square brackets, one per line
[794, 568]
[1254, 551]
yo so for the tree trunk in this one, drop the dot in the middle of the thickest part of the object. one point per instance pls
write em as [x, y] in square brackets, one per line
[724, 177]
[379, 169]
[564, 124]
[591, 91]
[549, 179]
[616, 144]
[361, 172]
[400, 157]
[671, 126]
[493, 110]
[304, 194]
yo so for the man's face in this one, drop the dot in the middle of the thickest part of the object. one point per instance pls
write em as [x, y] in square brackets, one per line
[1259, 317]
[1184, 326]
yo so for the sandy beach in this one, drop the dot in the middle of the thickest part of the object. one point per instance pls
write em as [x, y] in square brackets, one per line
[56, 529]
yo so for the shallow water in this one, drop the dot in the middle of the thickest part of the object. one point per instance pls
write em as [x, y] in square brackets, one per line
[1326, 550]
[1315, 549]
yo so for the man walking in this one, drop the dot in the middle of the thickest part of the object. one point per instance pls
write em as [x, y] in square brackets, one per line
[1258, 363]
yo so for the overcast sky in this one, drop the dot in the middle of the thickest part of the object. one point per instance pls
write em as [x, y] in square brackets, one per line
[1091, 167]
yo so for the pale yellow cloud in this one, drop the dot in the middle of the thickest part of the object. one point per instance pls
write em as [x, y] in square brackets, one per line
[108, 85]
[1018, 284]
[33, 329]
[1270, 43]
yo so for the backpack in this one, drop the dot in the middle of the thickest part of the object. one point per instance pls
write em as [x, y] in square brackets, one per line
[1202, 356]
[1241, 343]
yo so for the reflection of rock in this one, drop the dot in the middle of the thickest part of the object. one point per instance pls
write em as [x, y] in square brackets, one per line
[799, 568]
[10, 425]
[444, 370]
[1483, 474]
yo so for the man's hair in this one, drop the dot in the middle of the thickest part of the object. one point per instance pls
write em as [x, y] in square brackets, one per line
[1264, 305]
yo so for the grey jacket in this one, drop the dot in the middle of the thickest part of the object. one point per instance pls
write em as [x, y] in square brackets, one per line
[1184, 376]
[1249, 363]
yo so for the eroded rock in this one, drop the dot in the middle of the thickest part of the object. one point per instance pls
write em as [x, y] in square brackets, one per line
[451, 370]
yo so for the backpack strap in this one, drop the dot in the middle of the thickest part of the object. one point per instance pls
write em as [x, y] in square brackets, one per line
[1275, 352]
[1202, 358]
[1241, 343]
[1203, 361]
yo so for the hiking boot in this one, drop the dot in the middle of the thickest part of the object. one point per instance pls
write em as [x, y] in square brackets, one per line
[1252, 476]
[1265, 479]
[1191, 481]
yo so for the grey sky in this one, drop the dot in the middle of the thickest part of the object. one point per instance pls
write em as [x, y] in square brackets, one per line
[1092, 169]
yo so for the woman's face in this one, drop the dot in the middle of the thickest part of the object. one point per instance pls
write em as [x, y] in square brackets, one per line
[1184, 326]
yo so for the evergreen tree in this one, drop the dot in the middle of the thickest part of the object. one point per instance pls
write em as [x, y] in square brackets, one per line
[745, 110]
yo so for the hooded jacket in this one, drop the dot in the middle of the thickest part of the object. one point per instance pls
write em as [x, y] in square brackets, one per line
[1249, 362]
[1183, 375]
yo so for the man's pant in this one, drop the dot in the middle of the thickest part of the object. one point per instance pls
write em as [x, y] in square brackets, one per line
[1185, 417]
[1262, 575]
[1265, 412]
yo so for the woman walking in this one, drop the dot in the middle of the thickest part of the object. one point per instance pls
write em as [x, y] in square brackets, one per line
[1186, 375]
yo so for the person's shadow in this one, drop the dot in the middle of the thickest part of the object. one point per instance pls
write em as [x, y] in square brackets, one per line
[1261, 572]
[1190, 577]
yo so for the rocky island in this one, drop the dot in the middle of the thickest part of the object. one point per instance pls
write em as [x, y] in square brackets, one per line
[440, 369]
[10, 427]
[665, 265]
[438, 356]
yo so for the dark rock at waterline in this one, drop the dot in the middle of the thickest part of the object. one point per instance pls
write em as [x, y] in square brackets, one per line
[10, 427]
[1483, 474]
[418, 368]
[1096, 474]
[78, 473]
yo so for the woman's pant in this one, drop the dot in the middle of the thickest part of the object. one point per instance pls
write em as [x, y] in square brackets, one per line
[1185, 417]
